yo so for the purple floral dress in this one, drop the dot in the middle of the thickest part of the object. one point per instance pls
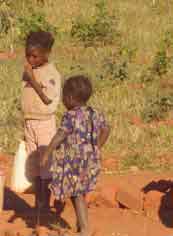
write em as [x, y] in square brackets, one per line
[76, 162]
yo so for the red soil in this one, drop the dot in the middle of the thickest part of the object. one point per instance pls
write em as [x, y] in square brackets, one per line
[128, 205]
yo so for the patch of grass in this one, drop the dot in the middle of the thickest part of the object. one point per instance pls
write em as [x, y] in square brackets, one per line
[138, 160]
[136, 55]
[158, 108]
[101, 28]
[10, 115]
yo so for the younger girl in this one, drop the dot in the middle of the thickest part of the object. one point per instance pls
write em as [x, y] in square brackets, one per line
[76, 163]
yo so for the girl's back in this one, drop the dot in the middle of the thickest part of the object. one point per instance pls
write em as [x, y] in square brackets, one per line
[78, 157]
[83, 125]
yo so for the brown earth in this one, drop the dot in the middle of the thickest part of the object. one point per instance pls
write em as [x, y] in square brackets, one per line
[138, 203]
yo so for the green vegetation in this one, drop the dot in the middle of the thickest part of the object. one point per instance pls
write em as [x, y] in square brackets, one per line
[101, 28]
[126, 47]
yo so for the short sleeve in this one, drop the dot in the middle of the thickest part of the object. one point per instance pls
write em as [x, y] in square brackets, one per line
[66, 123]
[52, 85]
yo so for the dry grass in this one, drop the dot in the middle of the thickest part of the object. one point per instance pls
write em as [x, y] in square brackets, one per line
[142, 27]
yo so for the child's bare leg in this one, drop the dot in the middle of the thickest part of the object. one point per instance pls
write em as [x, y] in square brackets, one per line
[81, 214]
[77, 216]
[37, 192]
[45, 192]
[59, 206]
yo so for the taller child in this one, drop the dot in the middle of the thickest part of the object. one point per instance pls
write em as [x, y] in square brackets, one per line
[40, 97]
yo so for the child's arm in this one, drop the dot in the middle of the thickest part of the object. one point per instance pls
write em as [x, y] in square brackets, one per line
[31, 79]
[103, 136]
[55, 142]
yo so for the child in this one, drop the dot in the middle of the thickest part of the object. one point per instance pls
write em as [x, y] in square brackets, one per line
[40, 97]
[76, 163]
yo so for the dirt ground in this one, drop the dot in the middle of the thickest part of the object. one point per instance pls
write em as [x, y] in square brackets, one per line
[138, 203]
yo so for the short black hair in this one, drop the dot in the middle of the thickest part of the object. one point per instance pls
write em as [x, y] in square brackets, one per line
[41, 39]
[79, 87]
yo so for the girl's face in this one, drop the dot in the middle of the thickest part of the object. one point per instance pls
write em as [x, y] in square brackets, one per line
[69, 102]
[36, 57]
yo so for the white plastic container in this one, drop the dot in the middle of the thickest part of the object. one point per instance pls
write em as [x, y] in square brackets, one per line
[19, 181]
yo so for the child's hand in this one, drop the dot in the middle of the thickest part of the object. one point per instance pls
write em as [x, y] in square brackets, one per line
[29, 70]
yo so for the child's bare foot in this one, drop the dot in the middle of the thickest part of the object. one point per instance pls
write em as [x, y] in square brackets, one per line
[85, 233]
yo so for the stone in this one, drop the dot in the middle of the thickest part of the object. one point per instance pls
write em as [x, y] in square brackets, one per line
[152, 203]
[129, 201]
[109, 194]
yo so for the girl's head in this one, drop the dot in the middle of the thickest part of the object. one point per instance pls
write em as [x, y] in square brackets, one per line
[76, 91]
[38, 47]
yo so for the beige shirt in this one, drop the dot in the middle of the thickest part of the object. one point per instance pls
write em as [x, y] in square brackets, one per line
[50, 81]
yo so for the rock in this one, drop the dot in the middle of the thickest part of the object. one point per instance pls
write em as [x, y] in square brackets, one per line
[92, 198]
[129, 201]
[152, 203]
[105, 196]
[109, 194]
[134, 169]
[110, 163]
[152, 199]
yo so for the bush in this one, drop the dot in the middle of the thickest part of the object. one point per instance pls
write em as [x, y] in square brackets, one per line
[16, 26]
[5, 17]
[115, 66]
[100, 29]
[159, 67]
[34, 22]
[116, 70]
[161, 63]
[157, 108]
[4, 23]
[162, 60]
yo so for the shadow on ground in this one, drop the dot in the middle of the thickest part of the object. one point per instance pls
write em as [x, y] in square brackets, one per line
[23, 210]
[165, 211]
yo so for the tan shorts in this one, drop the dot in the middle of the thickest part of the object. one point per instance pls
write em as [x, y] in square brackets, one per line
[38, 134]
